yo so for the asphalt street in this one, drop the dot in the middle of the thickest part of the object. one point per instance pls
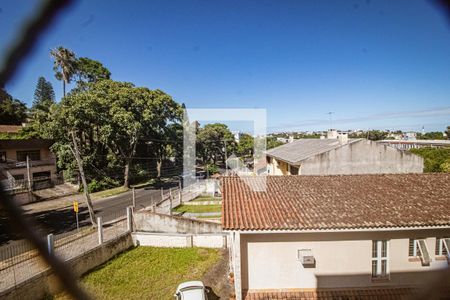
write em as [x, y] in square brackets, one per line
[59, 219]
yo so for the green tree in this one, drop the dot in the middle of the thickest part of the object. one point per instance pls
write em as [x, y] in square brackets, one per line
[64, 65]
[89, 70]
[447, 132]
[272, 142]
[110, 118]
[212, 140]
[43, 94]
[245, 145]
[434, 135]
[376, 135]
[435, 159]
[12, 111]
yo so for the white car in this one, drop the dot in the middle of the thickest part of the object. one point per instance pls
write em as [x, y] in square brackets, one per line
[191, 290]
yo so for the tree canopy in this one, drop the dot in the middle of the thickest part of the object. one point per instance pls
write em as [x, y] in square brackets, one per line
[435, 159]
[212, 140]
[89, 70]
[110, 118]
[12, 111]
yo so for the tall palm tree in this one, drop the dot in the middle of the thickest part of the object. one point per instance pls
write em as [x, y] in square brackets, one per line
[64, 65]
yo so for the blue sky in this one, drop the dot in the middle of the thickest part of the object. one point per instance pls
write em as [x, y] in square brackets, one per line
[375, 64]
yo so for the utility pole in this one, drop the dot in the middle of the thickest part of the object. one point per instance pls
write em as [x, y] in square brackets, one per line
[76, 153]
[330, 114]
[226, 163]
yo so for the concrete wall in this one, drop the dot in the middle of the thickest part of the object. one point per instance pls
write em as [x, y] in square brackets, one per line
[46, 283]
[146, 221]
[363, 157]
[180, 240]
[343, 259]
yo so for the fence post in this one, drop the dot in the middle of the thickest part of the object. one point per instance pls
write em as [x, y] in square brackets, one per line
[129, 219]
[170, 204]
[162, 193]
[134, 198]
[50, 243]
[100, 230]
[189, 241]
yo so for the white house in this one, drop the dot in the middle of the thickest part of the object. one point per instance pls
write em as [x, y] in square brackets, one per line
[338, 154]
[337, 236]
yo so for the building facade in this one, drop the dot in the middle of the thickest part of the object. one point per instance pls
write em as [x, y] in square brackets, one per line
[348, 235]
[27, 163]
[333, 156]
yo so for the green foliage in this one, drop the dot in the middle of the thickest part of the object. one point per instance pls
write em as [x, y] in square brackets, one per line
[217, 208]
[89, 70]
[12, 111]
[447, 132]
[435, 159]
[110, 119]
[211, 169]
[272, 142]
[102, 184]
[44, 95]
[435, 135]
[211, 141]
[64, 65]
[148, 272]
[245, 145]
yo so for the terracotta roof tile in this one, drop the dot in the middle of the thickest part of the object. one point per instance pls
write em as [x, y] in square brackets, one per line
[10, 128]
[337, 202]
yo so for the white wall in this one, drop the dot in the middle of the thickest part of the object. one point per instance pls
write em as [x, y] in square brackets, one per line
[363, 157]
[269, 261]
[180, 240]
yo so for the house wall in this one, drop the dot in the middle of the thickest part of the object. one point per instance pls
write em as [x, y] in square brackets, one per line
[362, 157]
[45, 155]
[343, 259]
[278, 167]
[11, 154]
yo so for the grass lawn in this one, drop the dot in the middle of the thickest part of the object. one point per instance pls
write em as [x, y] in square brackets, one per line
[198, 208]
[110, 192]
[209, 217]
[148, 273]
[207, 198]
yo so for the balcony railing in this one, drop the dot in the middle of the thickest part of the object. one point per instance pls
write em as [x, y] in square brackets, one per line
[12, 164]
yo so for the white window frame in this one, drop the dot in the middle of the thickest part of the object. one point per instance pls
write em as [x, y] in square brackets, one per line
[417, 246]
[379, 258]
[444, 243]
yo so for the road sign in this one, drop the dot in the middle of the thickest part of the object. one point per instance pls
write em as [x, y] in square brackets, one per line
[75, 209]
[75, 206]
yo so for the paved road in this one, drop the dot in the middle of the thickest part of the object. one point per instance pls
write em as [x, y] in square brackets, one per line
[57, 216]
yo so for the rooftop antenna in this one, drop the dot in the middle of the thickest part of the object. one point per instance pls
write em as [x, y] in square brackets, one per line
[330, 116]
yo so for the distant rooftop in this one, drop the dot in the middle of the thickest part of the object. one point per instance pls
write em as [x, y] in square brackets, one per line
[423, 142]
[10, 128]
[302, 149]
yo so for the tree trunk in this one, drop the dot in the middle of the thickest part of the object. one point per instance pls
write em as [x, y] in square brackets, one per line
[83, 180]
[126, 175]
[64, 88]
[158, 167]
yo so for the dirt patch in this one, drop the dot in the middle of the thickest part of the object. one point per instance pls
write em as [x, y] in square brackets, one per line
[216, 279]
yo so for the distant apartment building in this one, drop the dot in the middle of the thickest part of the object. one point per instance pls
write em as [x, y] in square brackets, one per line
[15, 172]
[337, 154]
[371, 236]
[412, 144]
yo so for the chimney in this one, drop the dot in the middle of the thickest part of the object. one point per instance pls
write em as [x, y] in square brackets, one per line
[343, 138]
[332, 134]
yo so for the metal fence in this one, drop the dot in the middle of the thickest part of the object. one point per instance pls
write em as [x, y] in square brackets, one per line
[19, 261]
